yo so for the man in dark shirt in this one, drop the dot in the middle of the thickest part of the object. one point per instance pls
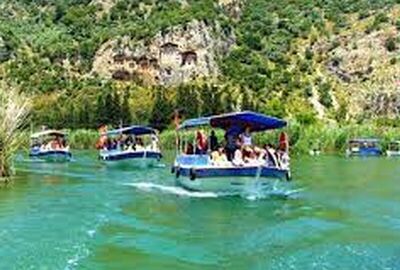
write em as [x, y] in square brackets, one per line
[213, 140]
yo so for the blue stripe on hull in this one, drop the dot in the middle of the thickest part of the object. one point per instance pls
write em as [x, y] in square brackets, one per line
[130, 155]
[232, 172]
[367, 153]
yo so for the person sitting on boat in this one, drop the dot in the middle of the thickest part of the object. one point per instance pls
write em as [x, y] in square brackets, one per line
[213, 140]
[246, 137]
[201, 143]
[189, 150]
[238, 158]
[284, 160]
[139, 144]
[271, 155]
[219, 158]
[249, 156]
[129, 143]
[260, 154]
[154, 142]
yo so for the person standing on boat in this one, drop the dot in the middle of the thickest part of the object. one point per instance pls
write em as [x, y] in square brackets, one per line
[201, 143]
[231, 138]
[246, 137]
[213, 141]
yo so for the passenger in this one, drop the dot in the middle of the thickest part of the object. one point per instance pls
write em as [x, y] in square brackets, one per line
[189, 149]
[232, 142]
[238, 158]
[213, 140]
[271, 155]
[260, 154]
[114, 144]
[129, 143]
[154, 142]
[201, 143]
[139, 144]
[63, 143]
[249, 156]
[246, 137]
[54, 143]
[284, 160]
[219, 157]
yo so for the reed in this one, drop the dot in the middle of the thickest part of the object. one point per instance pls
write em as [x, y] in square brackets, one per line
[14, 109]
[83, 138]
[331, 138]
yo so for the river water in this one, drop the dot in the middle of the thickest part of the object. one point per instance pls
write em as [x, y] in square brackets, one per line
[337, 214]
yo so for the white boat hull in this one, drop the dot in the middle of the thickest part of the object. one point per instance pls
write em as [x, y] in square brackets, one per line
[393, 153]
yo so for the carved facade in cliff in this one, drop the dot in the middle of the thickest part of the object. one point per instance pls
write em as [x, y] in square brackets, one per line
[180, 54]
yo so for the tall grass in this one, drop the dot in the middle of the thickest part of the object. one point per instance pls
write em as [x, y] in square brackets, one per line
[14, 109]
[331, 138]
[83, 138]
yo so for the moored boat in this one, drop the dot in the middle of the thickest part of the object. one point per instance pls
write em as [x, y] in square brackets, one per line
[125, 146]
[50, 146]
[393, 149]
[199, 172]
[364, 147]
[315, 149]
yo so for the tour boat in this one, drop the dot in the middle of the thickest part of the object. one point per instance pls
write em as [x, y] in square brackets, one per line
[364, 147]
[197, 172]
[134, 154]
[393, 149]
[50, 145]
[315, 149]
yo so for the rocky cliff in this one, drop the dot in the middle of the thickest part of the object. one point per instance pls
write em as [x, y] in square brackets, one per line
[178, 55]
[332, 60]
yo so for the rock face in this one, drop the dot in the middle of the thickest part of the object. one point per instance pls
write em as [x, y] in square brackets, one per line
[180, 54]
[233, 7]
[366, 69]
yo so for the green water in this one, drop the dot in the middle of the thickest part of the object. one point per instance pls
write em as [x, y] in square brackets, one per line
[85, 216]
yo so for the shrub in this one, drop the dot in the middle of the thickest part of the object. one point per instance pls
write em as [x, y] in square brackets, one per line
[390, 44]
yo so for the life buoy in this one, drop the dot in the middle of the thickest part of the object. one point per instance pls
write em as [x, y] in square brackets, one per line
[192, 174]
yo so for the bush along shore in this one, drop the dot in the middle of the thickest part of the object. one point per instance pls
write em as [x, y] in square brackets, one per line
[14, 109]
[330, 138]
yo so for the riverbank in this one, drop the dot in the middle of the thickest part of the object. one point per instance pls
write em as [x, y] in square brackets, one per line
[331, 138]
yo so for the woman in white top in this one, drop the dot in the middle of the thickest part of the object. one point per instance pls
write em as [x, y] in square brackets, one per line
[246, 137]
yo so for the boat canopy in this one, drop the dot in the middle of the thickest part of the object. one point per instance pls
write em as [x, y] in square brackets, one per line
[50, 132]
[239, 120]
[132, 130]
[364, 140]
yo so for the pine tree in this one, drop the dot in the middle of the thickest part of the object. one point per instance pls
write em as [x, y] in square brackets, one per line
[162, 111]
[126, 116]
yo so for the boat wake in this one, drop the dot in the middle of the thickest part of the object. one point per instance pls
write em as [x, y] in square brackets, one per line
[146, 186]
[276, 189]
[248, 194]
